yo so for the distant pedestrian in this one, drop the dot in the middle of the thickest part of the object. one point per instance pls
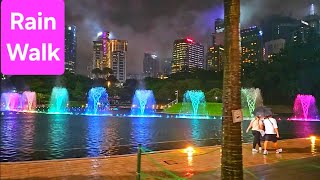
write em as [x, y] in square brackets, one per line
[271, 134]
[256, 124]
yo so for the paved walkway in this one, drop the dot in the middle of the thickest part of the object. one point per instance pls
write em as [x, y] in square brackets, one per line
[300, 159]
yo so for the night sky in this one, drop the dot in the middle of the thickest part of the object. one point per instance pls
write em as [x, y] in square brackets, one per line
[153, 25]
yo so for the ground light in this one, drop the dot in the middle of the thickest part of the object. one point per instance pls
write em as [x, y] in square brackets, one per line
[313, 139]
[190, 150]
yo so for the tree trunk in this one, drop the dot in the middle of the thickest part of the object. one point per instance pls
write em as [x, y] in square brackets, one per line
[231, 159]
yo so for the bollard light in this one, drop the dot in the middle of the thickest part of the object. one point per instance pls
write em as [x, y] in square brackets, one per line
[189, 150]
[313, 139]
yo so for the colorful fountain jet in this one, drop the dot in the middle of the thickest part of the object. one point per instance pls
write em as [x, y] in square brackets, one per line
[10, 101]
[29, 101]
[97, 101]
[59, 101]
[251, 98]
[305, 108]
[143, 103]
[194, 105]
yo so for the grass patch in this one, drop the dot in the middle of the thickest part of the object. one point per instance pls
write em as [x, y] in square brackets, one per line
[213, 109]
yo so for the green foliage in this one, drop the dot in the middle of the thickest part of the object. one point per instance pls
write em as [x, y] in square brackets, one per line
[77, 85]
[199, 79]
[214, 109]
[294, 70]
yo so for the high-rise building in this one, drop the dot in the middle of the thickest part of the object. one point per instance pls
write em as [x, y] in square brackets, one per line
[118, 50]
[70, 50]
[166, 66]
[119, 65]
[219, 25]
[151, 65]
[279, 27]
[117, 45]
[214, 58]
[104, 56]
[251, 45]
[273, 47]
[187, 55]
[313, 19]
[101, 55]
[218, 34]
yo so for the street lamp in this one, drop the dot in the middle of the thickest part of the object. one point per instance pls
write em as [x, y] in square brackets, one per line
[177, 95]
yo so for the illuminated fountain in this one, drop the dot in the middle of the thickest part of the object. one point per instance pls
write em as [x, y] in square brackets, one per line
[251, 98]
[10, 101]
[59, 101]
[305, 108]
[29, 101]
[97, 101]
[143, 103]
[194, 105]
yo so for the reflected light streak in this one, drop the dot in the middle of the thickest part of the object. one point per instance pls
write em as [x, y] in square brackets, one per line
[189, 150]
[313, 144]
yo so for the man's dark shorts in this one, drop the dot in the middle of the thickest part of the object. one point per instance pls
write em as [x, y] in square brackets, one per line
[271, 137]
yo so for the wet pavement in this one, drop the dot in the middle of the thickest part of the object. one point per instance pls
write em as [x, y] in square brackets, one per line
[300, 159]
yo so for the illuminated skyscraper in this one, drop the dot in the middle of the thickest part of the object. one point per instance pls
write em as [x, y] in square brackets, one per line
[251, 45]
[219, 25]
[313, 19]
[119, 65]
[101, 57]
[118, 53]
[214, 58]
[110, 53]
[187, 55]
[70, 50]
[151, 65]
[166, 66]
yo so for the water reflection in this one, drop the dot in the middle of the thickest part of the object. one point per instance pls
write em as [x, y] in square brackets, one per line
[111, 139]
[195, 130]
[95, 136]
[303, 128]
[142, 130]
[9, 135]
[313, 145]
[28, 133]
[58, 135]
[41, 136]
[189, 170]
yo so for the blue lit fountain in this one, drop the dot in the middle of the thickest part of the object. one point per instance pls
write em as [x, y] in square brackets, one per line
[59, 101]
[97, 101]
[194, 105]
[143, 104]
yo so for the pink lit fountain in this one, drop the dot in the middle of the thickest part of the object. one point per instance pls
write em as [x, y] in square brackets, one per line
[10, 101]
[29, 101]
[305, 108]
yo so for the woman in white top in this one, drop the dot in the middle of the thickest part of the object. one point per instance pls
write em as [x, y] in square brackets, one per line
[256, 125]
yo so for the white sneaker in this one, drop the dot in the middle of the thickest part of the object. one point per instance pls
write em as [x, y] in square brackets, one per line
[265, 152]
[260, 148]
[279, 151]
[254, 150]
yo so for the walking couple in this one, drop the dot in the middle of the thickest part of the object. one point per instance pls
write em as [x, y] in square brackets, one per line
[266, 127]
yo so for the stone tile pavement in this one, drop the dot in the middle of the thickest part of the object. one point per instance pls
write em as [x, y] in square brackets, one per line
[300, 159]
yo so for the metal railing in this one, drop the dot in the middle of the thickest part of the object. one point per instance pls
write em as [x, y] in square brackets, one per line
[172, 103]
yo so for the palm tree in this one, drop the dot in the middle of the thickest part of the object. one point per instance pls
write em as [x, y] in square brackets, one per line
[231, 158]
[107, 72]
[96, 72]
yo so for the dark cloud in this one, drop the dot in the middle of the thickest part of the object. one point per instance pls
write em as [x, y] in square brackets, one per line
[153, 25]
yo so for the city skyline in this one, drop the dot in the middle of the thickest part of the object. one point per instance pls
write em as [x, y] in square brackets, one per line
[149, 29]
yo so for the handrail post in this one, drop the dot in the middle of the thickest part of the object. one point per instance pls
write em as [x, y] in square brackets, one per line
[139, 163]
